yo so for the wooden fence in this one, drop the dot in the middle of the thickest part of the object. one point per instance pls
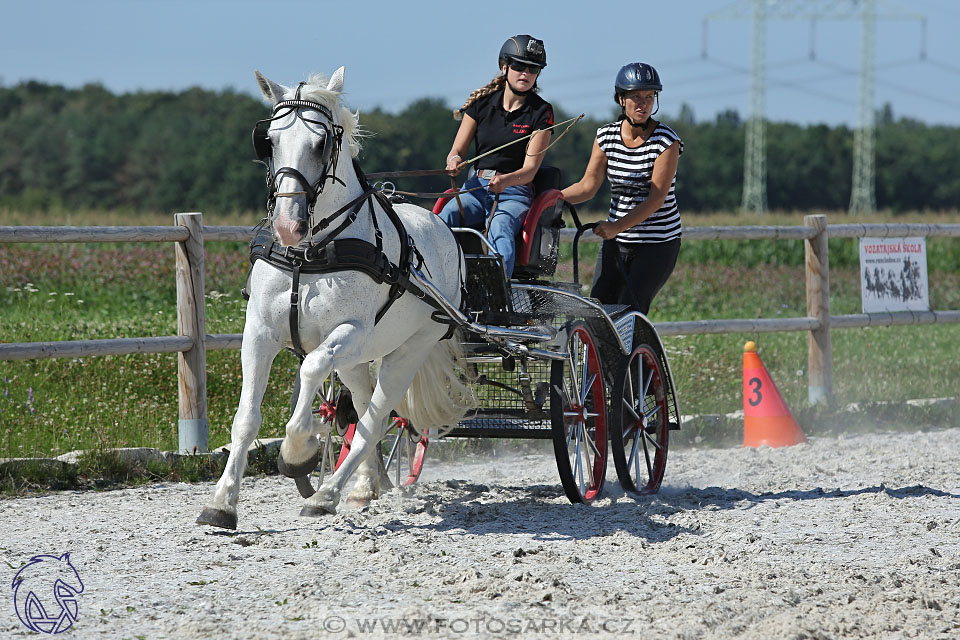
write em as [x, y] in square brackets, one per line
[192, 342]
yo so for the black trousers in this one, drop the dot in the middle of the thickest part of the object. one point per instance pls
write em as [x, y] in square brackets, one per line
[637, 276]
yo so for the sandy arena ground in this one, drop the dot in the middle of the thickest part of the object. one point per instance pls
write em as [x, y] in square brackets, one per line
[856, 537]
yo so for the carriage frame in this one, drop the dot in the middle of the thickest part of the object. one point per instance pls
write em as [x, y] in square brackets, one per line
[544, 361]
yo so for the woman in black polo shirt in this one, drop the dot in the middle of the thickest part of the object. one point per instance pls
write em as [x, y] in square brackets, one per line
[506, 109]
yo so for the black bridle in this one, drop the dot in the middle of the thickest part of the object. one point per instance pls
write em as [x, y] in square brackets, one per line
[329, 155]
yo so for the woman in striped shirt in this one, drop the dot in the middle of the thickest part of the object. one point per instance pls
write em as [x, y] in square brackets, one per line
[639, 156]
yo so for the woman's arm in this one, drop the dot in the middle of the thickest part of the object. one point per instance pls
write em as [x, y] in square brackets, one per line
[664, 169]
[592, 177]
[539, 141]
[461, 144]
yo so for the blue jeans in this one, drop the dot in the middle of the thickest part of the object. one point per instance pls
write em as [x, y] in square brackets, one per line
[512, 208]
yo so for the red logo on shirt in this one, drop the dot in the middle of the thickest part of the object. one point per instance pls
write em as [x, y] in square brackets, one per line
[521, 128]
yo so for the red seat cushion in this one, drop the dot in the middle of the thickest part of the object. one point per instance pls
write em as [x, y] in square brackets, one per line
[528, 231]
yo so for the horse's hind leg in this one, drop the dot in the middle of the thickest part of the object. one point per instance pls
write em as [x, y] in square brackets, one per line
[256, 357]
[367, 487]
[396, 375]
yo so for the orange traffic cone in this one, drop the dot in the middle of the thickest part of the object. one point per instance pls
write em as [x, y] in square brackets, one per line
[767, 420]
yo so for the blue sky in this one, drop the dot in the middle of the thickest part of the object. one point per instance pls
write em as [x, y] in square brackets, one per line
[396, 52]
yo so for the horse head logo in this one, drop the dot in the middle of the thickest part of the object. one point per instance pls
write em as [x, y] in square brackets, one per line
[45, 593]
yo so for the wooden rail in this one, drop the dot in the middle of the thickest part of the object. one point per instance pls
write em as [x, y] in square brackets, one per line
[193, 342]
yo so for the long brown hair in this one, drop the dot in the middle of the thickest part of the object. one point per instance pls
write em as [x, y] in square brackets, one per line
[491, 87]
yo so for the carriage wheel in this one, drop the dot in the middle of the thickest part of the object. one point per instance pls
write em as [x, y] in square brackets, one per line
[639, 422]
[331, 396]
[402, 450]
[578, 414]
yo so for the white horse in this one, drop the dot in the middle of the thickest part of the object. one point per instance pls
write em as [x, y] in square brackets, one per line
[311, 142]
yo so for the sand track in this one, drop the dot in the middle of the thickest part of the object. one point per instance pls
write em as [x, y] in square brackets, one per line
[851, 537]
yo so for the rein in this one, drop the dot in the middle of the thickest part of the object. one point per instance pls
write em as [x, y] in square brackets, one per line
[454, 192]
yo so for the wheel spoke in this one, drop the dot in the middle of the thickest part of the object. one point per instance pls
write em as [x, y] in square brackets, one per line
[578, 468]
[574, 426]
[646, 455]
[574, 373]
[408, 445]
[634, 462]
[649, 414]
[632, 410]
[394, 446]
[653, 441]
[593, 444]
[646, 385]
[628, 385]
[326, 465]
[588, 463]
[587, 389]
[583, 372]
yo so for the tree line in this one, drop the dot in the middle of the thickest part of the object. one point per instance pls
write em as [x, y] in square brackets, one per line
[191, 151]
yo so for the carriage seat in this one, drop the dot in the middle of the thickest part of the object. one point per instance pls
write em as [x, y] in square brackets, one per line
[538, 241]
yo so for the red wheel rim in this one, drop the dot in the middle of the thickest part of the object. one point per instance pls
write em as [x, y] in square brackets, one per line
[580, 418]
[641, 453]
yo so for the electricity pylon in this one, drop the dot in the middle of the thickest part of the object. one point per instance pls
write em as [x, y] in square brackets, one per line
[863, 191]
[755, 145]
[863, 197]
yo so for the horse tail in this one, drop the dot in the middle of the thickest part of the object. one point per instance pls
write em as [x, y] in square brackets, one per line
[438, 399]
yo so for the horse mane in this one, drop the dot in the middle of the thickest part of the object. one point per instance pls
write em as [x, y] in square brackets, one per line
[316, 90]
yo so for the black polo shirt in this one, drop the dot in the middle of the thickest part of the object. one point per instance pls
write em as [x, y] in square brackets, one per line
[497, 126]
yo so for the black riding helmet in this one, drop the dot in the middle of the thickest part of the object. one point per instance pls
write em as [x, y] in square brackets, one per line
[637, 76]
[523, 48]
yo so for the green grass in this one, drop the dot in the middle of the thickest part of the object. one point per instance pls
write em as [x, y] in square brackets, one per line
[99, 468]
[68, 292]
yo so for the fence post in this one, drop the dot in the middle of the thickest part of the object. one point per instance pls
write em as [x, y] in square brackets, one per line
[819, 358]
[191, 322]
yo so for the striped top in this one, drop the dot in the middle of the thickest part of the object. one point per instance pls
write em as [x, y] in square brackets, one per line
[629, 172]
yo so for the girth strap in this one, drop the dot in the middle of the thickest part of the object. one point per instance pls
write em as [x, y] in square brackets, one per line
[294, 314]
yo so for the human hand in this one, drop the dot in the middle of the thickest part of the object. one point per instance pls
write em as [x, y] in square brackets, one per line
[453, 164]
[605, 230]
[496, 184]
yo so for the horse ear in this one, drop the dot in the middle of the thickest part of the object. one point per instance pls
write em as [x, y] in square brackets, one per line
[336, 82]
[271, 90]
[66, 556]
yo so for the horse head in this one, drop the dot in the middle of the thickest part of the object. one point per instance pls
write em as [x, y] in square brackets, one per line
[301, 145]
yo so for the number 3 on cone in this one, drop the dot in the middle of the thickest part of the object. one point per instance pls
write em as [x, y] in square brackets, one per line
[755, 382]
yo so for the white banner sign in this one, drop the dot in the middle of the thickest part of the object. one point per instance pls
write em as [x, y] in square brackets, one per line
[893, 274]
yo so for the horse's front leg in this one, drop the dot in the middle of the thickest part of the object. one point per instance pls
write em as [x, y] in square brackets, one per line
[256, 358]
[300, 450]
[396, 375]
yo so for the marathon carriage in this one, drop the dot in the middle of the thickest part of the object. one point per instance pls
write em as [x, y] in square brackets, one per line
[369, 279]
[544, 362]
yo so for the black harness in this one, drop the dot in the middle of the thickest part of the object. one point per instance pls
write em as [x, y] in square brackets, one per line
[334, 254]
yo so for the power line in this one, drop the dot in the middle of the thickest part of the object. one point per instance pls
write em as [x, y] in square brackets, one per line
[868, 12]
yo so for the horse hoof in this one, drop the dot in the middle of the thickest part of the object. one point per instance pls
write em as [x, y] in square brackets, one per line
[314, 511]
[363, 494]
[358, 502]
[300, 469]
[218, 518]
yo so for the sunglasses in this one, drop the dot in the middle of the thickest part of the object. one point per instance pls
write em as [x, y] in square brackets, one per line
[520, 67]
